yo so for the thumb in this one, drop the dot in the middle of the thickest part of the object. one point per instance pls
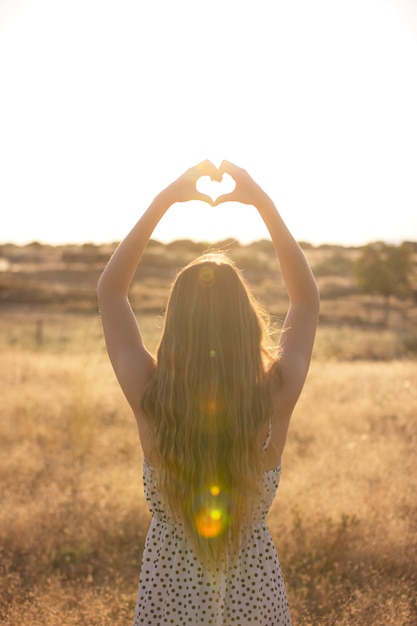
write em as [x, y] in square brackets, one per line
[226, 197]
[204, 198]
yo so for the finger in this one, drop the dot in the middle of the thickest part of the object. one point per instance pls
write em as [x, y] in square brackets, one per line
[206, 168]
[223, 167]
[226, 167]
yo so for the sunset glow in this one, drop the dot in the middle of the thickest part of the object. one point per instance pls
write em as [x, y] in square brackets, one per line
[104, 104]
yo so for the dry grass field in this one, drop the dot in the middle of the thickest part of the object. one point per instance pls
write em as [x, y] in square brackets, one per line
[73, 517]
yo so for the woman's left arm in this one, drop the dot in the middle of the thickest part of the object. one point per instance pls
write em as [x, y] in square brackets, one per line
[132, 362]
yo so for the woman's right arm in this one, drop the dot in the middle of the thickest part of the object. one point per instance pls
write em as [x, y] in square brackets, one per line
[298, 332]
[131, 361]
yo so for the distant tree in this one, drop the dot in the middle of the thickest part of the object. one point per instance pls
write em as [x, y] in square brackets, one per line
[385, 270]
[337, 262]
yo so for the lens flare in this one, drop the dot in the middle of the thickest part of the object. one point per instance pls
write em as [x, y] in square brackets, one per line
[209, 523]
[212, 516]
[211, 407]
[206, 276]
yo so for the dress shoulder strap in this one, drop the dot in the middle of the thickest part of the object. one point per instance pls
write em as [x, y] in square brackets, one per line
[268, 435]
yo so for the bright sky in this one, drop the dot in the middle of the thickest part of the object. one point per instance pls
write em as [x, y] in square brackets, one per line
[105, 102]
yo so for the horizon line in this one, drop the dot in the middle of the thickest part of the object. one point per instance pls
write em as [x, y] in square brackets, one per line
[235, 240]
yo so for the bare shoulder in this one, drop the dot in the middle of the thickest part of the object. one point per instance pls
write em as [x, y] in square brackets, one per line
[286, 383]
[278, 435]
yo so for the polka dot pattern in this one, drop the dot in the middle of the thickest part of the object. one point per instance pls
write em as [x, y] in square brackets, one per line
[174, 587]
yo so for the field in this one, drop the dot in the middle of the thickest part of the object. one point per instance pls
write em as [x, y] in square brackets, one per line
[73, 517]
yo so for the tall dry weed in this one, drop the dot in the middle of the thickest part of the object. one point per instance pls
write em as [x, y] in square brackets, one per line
[73, 517]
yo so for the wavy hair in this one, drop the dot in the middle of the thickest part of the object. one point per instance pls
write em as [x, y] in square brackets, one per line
[207, 400]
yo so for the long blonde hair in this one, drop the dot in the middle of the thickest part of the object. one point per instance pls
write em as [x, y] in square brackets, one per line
[207, 400]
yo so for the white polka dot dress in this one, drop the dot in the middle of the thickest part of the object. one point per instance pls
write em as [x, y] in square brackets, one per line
[174, 587]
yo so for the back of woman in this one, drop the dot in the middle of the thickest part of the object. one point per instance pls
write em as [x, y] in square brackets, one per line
[213, 409]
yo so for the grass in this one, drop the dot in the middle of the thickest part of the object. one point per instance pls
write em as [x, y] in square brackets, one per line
[349, 540]
[73, 517]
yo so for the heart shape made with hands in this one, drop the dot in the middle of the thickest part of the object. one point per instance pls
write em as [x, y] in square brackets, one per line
[214, 188]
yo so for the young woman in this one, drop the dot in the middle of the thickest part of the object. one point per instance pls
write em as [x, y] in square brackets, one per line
[213, 409]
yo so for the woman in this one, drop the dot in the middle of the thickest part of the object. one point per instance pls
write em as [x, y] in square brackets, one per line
[213, 411]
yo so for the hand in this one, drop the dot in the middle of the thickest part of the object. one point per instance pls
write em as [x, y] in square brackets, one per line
[246, 190]
[184, 188]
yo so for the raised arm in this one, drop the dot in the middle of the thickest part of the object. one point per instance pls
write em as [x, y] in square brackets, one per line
[297, 337]
[132, 362]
